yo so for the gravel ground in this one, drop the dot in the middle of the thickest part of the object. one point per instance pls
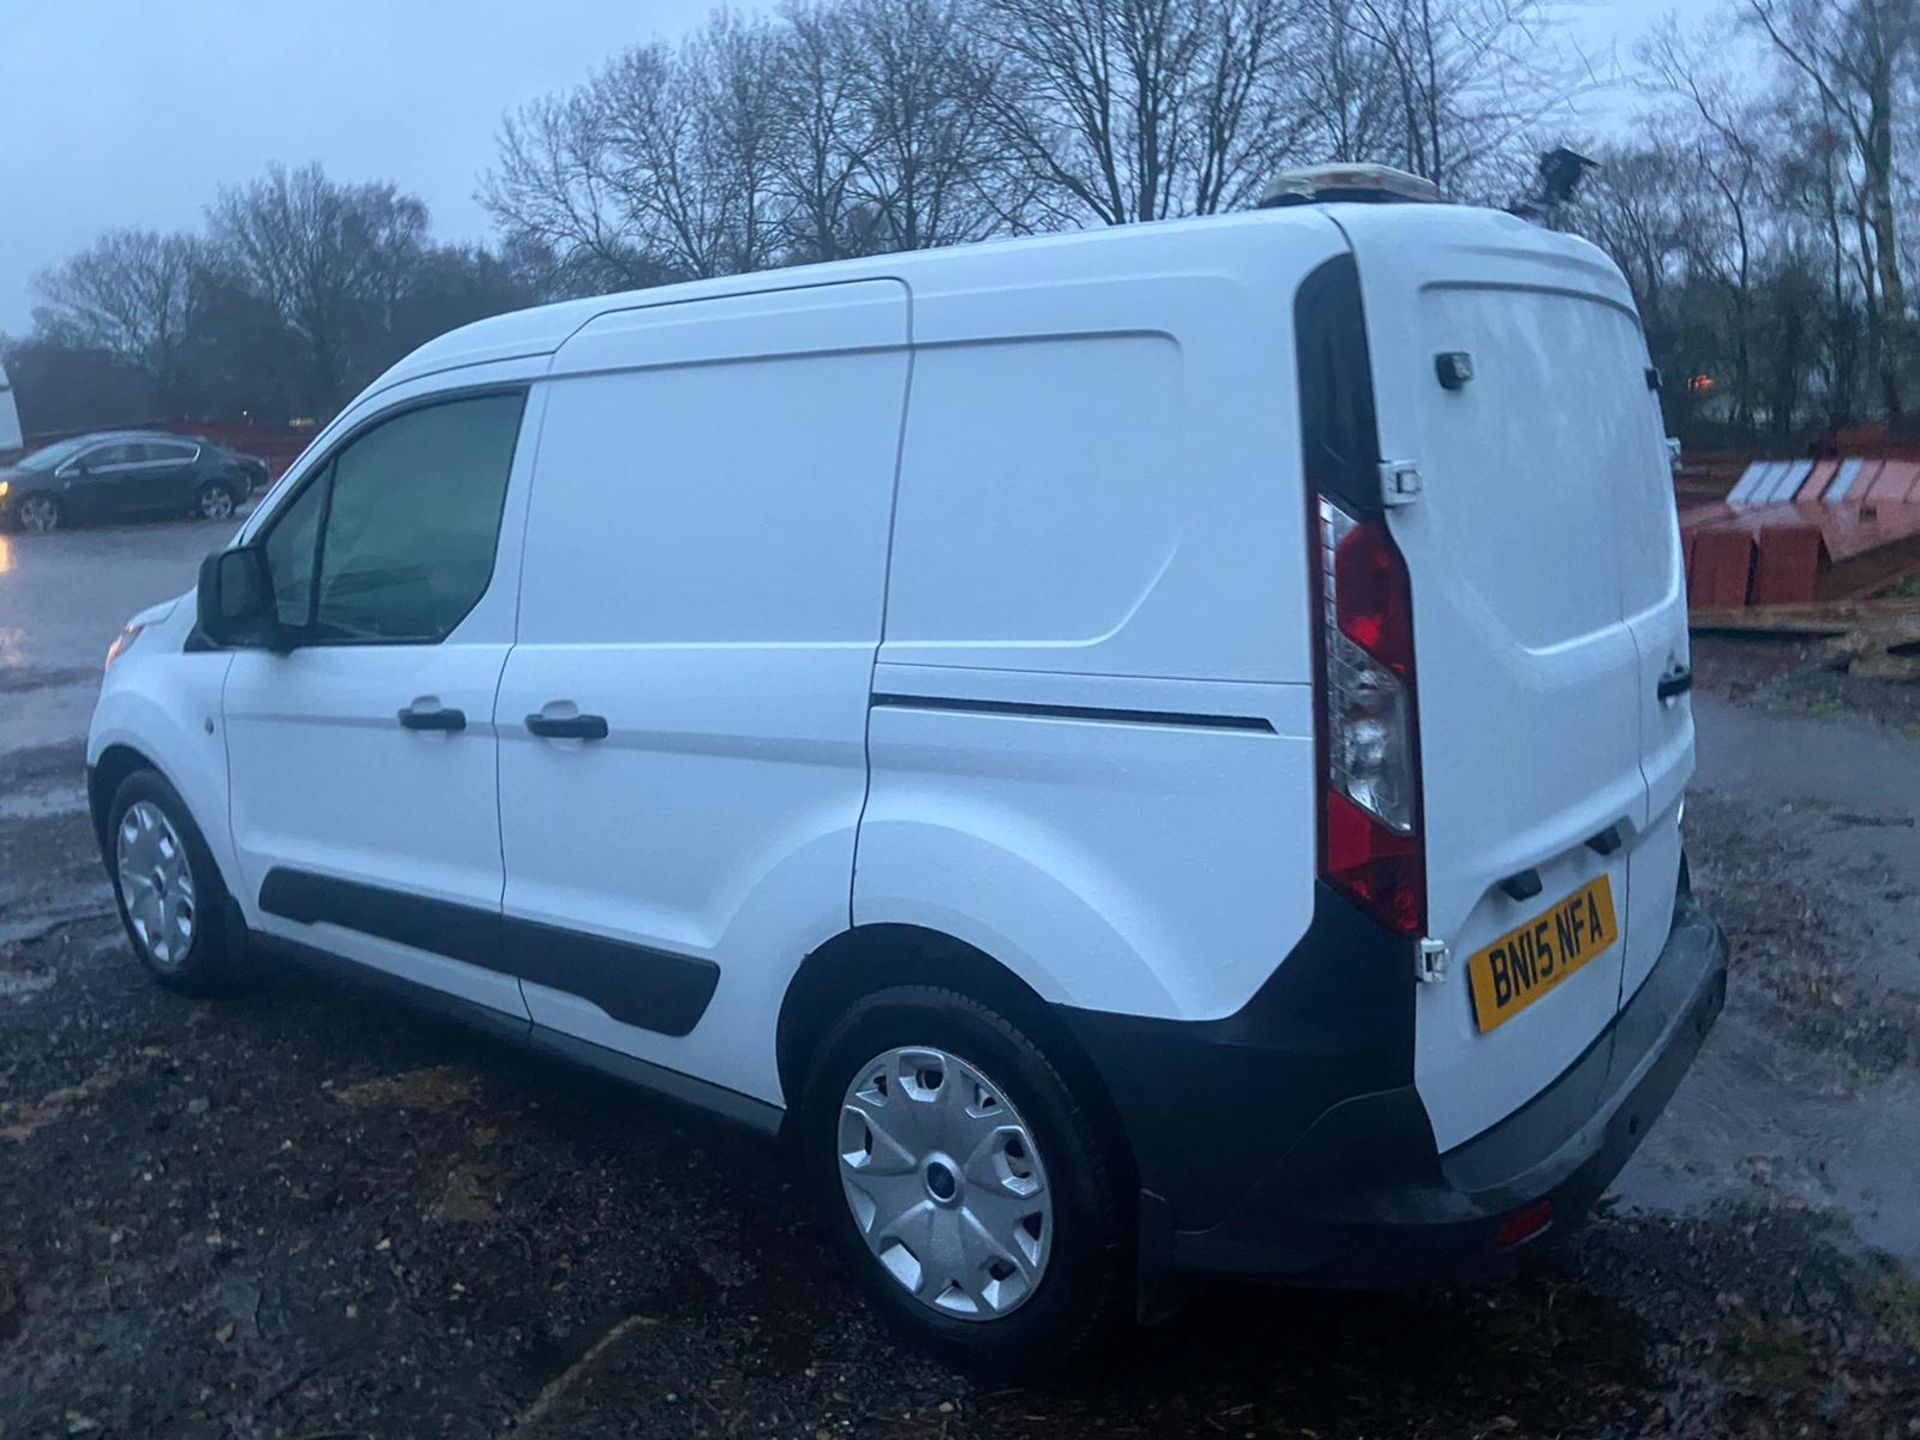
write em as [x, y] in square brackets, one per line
[307, 1213]
[1794, 676]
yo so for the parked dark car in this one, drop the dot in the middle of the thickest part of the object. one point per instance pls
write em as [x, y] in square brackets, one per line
[126, 475]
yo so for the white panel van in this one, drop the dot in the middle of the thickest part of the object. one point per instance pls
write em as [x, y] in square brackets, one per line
[1139, 753]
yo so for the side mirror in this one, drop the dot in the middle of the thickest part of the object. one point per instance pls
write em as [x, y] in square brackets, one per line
[236, 600]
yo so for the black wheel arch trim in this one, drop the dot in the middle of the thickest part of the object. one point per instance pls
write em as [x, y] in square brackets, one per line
[1285, 1139]
[105, 775]
[1334, 1020]
[635, 984]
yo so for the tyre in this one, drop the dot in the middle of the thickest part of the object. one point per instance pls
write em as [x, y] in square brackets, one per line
[216, 501]
[38, 514]
[964, 1183]
[166, 886]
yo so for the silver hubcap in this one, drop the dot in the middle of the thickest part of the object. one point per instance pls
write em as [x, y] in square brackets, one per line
[38, 514]
[156, 883]
[945, 1183]
[216, 505]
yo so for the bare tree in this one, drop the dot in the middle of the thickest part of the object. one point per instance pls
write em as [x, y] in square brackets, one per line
[643, 118]
[1637, 208]
[825, 139]
[843, 128]
[1856, 56]
[1137, 109]
[550, 193]
[131, 293]
[933, 171]
[327, 257]
[732, 68]
[1474, 81]
[665, 164]
[1345, 85]
[1816, 210]
[1727, 150]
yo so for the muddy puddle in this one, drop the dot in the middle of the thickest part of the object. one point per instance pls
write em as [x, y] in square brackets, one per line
[37, 802]
[1741, 1128]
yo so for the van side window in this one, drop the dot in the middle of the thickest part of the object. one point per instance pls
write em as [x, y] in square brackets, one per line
[290, 547]
[394, 541]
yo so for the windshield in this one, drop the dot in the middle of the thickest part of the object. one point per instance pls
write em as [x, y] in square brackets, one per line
[51, 456]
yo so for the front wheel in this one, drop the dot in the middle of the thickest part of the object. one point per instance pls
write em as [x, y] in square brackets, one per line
[38, 514]
[964, 1182]
[216, 502]
[166, 886]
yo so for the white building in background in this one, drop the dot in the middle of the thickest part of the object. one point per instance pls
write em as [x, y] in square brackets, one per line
[11, 442]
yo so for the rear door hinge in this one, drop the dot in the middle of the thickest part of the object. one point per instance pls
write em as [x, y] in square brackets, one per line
[1430, 965]
[1399, 482]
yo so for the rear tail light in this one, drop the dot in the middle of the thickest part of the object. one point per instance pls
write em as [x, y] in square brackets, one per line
[1523, 1224]
[1370, 842]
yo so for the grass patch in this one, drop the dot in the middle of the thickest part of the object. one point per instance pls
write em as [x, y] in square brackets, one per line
[1772, 1353]
[1896, 1301]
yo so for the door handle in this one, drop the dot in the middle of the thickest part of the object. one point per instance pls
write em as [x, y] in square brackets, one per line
[568, 727]
[440, 717]
[1674, 684]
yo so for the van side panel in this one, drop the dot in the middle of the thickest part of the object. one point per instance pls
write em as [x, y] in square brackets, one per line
[1114, 852]
[1101, 472]
[1040, 536]
[705, 568]
[1092, 736]
[159, 709]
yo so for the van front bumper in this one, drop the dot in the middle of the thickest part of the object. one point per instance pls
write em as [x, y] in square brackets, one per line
[1361, 1194]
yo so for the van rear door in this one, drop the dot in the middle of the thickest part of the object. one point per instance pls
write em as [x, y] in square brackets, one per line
[1536, 442]
[1654, 589]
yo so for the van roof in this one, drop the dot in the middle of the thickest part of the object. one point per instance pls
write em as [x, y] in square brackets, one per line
[543, 329]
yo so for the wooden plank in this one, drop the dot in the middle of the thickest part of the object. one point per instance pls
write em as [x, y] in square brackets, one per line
[1881, 649]
[1812, 620]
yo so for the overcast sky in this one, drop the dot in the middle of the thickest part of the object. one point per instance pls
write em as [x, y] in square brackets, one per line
[135, 112]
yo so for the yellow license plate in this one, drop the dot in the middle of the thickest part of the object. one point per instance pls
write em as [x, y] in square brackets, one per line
[1524, 964]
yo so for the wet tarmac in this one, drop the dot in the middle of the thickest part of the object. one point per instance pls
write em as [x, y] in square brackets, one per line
[1828, 808]
[63, 597]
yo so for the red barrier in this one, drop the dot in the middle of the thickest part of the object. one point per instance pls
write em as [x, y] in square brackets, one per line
[1787, 569]
[1720, 568]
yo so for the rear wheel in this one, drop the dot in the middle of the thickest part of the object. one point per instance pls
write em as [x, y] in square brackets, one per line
[216, 501]
[166, 886]
[38, 514]
[963, 1182]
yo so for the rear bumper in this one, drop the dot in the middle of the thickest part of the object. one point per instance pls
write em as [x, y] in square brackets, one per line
[1362, 1194]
